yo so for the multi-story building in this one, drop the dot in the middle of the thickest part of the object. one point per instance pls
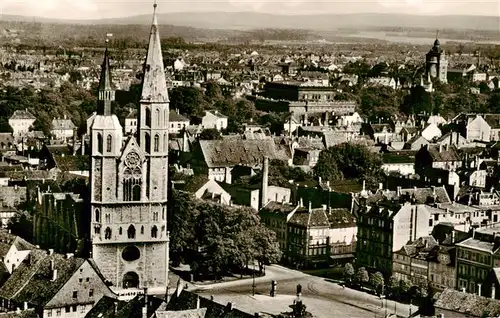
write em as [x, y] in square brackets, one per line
[62, 128]
[214, 120]
[61, 222]
[411, 263]
[275, 216]
[21, 121]
[128, 182]
[388, 220]
[476, 257]
[442, 267]
[177, 122]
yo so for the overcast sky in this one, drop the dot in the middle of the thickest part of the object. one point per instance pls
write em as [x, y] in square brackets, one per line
[96, 9]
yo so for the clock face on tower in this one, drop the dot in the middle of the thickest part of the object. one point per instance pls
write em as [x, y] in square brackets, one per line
[132, 160]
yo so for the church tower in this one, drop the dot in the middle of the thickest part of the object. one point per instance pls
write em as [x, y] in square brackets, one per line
[436, 63]
[128, 183]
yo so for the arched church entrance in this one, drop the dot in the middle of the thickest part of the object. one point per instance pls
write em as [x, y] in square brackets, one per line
[131, 280]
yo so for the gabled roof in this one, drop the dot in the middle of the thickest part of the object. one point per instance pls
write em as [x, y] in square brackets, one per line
[62, 124]
[313, 218]
[232, 152]
[465, 303]
[174, 117]
[443, 154]
[22, 114]
[32, 281]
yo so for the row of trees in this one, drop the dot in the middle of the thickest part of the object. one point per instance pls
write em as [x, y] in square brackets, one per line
[216, 240]
[394, 288]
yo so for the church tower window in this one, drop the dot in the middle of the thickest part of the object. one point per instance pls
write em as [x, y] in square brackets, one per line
[109, 140]
[147, 142]
[132, 184]
[142, 229]
[155, 216]
[107, 233]
[148, 117]
[120, 231]
[154, 231]
[157, 143]
[108, 218]
[131, 232]
[97, 214]
[99, 143]
[158, 118]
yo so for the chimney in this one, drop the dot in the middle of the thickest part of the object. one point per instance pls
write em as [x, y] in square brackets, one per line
[82, 146]
[446, 147]
[301, 203]
[198, 302]
[265, 180]
[479, 289]
[51, 251]
[463, 289]
[54, 275]
[398, 193]
[25, 305]
[328, 183]
[229, 306]
[440, 148]
[381, 186]
[319, 180]
[324, 207]
[310, 207]
[493, 295]
[69, 255]
[453, 237]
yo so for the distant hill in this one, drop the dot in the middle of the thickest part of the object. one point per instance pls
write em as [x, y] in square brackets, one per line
[251, 20]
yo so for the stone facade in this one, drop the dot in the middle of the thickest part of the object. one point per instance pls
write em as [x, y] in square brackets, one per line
[129, 183]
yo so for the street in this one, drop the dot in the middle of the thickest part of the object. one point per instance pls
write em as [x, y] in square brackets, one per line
[322, 298]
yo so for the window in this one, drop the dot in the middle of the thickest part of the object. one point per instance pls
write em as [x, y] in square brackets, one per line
[97, 230]
[157, 143]
[158, 118]
[67, 309]
[91, 293]
[120, 231]
[155, 216]
[109, 140]
[80, 280]
[82, 309]
[107, 233]
[99, 143]
[75, 294]
[87, 279]
[132, 184]
[49, 313]
[142, 229]
[97, 215]
[148, 117]
[58, 312]
[154, 231]
[131, 232]
[108, 218]
[75, 308]
[147, 142]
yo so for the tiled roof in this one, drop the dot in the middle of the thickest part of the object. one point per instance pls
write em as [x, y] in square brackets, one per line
[29, 313]
[105, 308]
[72, 163]
[32, 281]
[133, 309]
[316, 217]
[399, 157]
[420, 195]
[132, 114]
[479, 245]
[190, 313]
[450, 154]
[62, 124]
[174, 117]
[278, 207]
[341, 218]
[7, 240]
[468, 304]
[231, 152]
[22, 114]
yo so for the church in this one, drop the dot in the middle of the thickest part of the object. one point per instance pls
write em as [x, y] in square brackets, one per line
[436, 63]
[128, 182]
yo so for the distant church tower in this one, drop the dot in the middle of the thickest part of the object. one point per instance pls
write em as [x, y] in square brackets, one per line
[436, 63]
[128, 180]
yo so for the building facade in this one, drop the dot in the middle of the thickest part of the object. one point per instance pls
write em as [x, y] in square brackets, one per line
[129, 182]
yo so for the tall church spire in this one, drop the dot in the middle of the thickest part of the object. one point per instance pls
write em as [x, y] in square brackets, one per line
[106, 90]
[154, 86]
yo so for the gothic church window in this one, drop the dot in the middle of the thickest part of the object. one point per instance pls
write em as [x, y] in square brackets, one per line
[147, 142]
[148, 117]
[109, 139]
[142, 229]
[131, 232]
[99, 143]
[108, 218]
[163, 213]
[132, 178]
[154, 231]
[158, 118]
[97, 215]
[157, 143]
[107, 233]
[155, 216]
[120, 231]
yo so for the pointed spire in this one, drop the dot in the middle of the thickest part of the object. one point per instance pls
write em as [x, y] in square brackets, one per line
[106, 90]
[154, 86]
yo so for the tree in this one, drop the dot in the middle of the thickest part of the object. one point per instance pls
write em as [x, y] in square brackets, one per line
[417, 101]
[213, 92]
[362, 276]
[377, 281]
[210, 134]
[404, 287]
[266, 248]
[392, 285]
[349, 161]
[22, 225]
[349, 273]
[188, 100]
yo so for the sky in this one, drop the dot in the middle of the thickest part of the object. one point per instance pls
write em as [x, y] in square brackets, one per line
[98, 9]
